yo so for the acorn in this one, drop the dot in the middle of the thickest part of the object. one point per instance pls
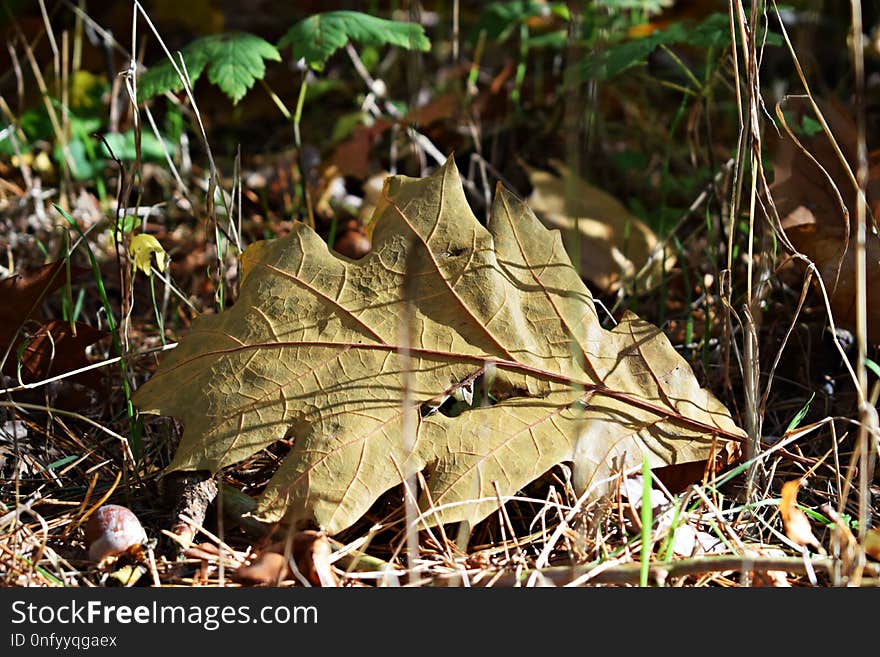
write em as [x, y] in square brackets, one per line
[113, 530]
[352, 244]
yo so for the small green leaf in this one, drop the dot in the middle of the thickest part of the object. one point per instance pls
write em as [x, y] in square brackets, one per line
[128, 223]
[83, 167]
[238, 63]
[557, 39]
[162, 77]
[796, 420]
[316, 38]
[345, 125]
[123, 147]
[625, 55]
[498, 19]
[803, 126]
[811, 126]
[713, 32]
[61, 462]
[650, 6]
[234, 62]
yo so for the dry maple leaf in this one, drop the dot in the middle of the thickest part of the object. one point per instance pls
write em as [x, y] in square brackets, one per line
[55, 346]
[22, 295]
[310, 551]
[872, 543]
[609, 243]
[314, 349]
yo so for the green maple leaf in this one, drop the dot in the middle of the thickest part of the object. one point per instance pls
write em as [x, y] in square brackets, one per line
[234, 62]
[316, 38]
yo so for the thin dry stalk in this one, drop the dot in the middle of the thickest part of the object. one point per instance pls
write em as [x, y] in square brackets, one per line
[214, 181]
[867, 413]
[47, 102]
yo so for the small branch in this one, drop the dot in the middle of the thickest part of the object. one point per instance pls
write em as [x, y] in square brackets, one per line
[629, 573]
[193, 492]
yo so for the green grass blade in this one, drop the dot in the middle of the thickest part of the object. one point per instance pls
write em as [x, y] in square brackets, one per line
[647, 522]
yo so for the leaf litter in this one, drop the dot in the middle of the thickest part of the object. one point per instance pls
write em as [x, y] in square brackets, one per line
[816, 200]
[32, 349]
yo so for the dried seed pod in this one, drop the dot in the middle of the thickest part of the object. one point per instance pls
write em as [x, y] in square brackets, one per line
[111, 531]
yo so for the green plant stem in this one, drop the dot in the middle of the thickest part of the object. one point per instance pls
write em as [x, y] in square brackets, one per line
[331, 234]
[520, 75]
[647, 523]
[297, 116]
[678, 87]
[134, 432]
[277, 100]
[296, 119]
[297, 140]
[688, 292]
[685, 69]
[68, 288]
[475, 66]
[668, 548]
